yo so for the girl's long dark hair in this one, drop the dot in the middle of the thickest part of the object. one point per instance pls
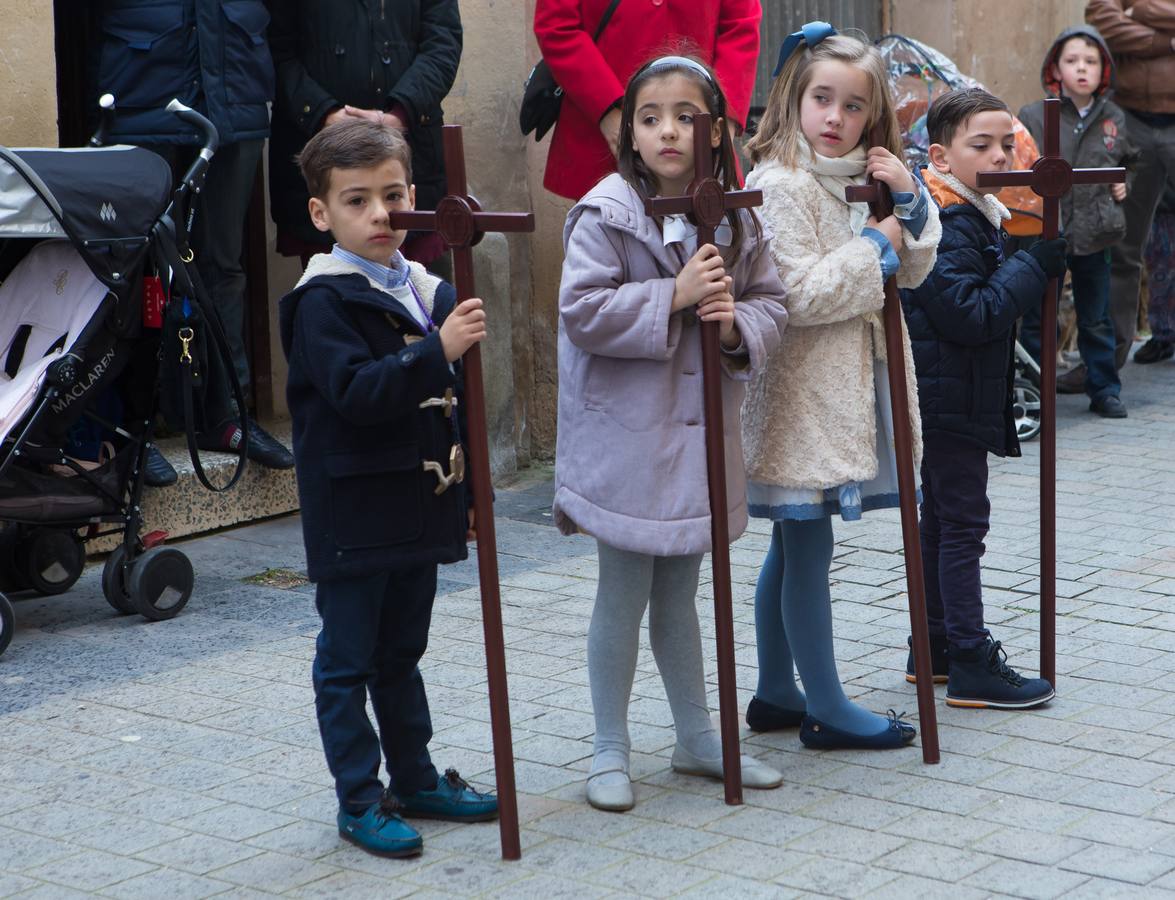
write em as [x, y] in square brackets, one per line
[633, 169]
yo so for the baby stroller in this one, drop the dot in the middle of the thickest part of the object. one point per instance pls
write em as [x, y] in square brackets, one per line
[78, 228]
[919, 74]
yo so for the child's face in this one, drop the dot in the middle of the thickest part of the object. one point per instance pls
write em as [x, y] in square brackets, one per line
[834, 108]
[357, 205]
[1079, 69]
[663, 129]
[981, 144]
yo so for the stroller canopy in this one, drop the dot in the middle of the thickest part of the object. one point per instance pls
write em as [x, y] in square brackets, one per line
[104, 199]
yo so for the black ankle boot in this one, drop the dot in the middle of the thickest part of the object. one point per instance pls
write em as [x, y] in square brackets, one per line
[980, 678]
[939, 661]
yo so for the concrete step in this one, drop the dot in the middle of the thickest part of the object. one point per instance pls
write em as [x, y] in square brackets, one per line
[187, 507]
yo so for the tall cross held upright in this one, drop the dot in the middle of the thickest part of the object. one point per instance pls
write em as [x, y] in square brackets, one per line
[1051, 177]
[877, 195]
[706, 204]
[461, 223]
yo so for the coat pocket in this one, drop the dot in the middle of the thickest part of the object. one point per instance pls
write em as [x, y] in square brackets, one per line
[248, 66]
[376, 497]
[146, 58]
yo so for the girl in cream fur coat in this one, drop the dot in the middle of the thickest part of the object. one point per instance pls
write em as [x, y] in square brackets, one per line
[817, 424]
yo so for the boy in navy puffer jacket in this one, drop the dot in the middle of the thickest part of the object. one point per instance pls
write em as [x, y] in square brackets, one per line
[960, 321]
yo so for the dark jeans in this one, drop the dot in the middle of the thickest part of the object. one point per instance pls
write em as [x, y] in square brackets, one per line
[374, 632]
[1095, 330]
[954, 522]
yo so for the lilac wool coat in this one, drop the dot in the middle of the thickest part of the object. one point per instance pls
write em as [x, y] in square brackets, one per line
[630, 465]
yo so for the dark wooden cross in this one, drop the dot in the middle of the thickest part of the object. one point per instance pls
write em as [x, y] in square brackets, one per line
[460, 222]
[706, 204]
[877, 195]
[1051, 177]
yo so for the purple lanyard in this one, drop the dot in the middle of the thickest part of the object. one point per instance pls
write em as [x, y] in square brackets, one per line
[420, 304]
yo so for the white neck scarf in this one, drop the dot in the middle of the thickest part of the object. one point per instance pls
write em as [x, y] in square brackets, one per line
[987, 204]
[679, 229]
[837, 173]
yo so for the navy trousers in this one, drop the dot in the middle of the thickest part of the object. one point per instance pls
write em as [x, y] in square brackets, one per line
[1095, 329]
[374, 632]
[955, 520]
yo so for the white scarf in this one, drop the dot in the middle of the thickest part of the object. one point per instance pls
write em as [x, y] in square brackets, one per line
[988, 205]
[837, 173]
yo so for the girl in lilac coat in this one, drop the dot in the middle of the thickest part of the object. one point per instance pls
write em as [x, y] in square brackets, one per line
[630, 464]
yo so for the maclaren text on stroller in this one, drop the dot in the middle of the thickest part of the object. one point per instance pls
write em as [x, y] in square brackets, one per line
[77, 229]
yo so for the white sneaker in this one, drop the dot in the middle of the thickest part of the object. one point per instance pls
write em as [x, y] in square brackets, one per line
[755, 774]
[610, 797]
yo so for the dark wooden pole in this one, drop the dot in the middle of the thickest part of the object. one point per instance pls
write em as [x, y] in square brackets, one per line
[460, 222]
[877, 195]
[1051, 177]
[706, 203]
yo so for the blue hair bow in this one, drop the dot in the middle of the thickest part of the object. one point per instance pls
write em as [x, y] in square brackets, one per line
[811, 34]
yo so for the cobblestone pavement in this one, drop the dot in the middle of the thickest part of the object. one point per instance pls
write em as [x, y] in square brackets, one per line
[182, 760]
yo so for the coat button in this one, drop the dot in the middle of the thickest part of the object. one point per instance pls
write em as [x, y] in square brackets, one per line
[306, 108]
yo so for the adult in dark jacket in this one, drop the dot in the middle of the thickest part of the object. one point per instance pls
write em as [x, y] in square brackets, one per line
[397, 58]
[961, 321]
[1079, 70]
[213, 56]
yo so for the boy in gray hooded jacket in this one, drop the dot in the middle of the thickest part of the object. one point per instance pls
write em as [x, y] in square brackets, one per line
[1080, 70]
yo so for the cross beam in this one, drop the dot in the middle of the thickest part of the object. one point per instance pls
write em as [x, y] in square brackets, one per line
[877, 195]
[706, 204]
[1051, 177]
[461, 223]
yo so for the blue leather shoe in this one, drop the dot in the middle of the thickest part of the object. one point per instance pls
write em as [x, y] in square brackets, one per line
[764, 716]
[818, 736]
[452, 800]
[380, 830]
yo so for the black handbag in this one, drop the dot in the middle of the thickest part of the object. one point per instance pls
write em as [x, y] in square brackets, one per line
[542, 97]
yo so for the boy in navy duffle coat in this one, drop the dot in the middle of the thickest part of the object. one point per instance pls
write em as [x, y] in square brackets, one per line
[373, 343]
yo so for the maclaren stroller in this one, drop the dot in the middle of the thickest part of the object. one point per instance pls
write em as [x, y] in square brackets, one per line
[78, 228]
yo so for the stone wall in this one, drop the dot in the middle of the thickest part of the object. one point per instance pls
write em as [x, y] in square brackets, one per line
[28, 74]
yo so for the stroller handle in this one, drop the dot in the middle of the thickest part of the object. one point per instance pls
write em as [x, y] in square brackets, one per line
[206, 128]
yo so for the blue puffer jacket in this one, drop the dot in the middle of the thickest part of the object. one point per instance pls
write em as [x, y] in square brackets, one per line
[211, 54]
[961, 321]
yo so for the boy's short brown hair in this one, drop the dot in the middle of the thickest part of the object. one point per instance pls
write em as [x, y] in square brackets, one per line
[351, 144]
[952, 110]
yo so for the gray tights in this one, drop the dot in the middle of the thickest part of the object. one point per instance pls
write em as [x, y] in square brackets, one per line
[668, 585]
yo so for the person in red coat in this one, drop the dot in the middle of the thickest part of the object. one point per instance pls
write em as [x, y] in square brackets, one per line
[723, 33]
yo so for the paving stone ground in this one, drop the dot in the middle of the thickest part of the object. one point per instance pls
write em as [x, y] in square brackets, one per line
[182, 760]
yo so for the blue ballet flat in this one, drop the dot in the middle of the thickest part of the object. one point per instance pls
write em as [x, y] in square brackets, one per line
[819, 736]
[764, 716]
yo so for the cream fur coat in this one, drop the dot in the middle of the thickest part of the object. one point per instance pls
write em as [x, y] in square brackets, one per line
[809, 419]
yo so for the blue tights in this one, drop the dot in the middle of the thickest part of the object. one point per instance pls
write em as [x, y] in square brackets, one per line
[792, 602]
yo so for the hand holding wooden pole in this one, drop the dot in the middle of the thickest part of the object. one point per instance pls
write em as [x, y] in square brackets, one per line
[706, 204]
[877, 195]
[461, 223]
[1050, 177]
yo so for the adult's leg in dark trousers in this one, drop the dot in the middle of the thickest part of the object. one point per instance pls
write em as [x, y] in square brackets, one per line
[956, 471]
[1156, 158]
[396, 688]
[928, 535]
[218, 235]
[344, 663]
[1095, 331]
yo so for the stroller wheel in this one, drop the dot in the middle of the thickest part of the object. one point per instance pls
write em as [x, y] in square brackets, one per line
[114, 582]
[11, 576]
[51, 559]
[160, 583]
[1026, 408]
[7, 623]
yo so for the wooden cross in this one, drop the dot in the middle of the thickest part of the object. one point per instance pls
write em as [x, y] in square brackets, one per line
[877, 195]
[1051, 177]
[706, 204]
[461, 224]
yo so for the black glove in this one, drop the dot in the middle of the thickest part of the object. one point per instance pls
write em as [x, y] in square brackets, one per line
[1051, 256]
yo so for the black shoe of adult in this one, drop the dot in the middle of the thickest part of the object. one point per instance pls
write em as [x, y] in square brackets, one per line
[939, 661]
[764, 716]
[982, 679]
[1154, 350]
[1108, 407]
[1073, 381]
[264, 448]
[157, 471]
[819, 736]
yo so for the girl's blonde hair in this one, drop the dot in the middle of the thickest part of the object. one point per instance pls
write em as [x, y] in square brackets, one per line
[778, 137]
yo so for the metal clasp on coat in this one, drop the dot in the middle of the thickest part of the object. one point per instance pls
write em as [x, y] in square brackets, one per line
[456, 469]
[446, 402]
